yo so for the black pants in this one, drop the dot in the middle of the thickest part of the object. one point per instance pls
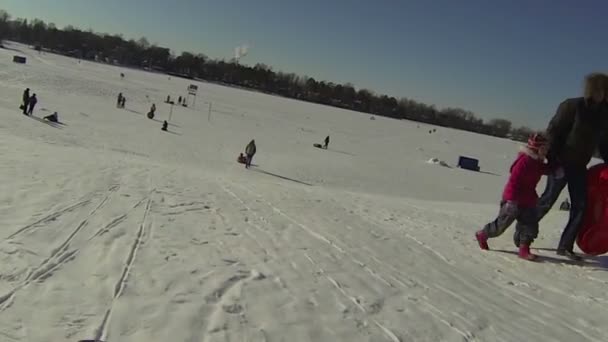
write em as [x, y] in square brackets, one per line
[576, 179]
[527, 223]
[248, 160]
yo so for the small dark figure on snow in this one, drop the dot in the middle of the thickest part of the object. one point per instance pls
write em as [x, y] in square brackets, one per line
[52, 118]
[250, 151]
[122, 102]
[25, 100]
[152, 111]
[119, 100]
[165, 124]
[326, 142]
[33, 101]
[179, 100]
[168, 99]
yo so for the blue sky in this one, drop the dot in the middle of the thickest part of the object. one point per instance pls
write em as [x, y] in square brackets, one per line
[515, 59]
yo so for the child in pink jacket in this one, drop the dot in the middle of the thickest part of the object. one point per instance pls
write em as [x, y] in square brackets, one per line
[519, 199]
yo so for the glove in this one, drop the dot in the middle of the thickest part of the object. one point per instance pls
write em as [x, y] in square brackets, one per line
[559, 173]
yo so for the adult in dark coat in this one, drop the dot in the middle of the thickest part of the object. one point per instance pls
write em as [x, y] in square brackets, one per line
[578, 129]
[250, 151]
[26, 100]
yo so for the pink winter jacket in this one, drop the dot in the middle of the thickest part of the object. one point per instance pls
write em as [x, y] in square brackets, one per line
[526, 172]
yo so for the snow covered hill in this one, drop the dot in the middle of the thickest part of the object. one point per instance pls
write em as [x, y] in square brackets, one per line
[113, 229]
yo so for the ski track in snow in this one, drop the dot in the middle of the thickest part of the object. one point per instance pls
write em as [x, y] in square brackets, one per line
[59, 255]
[102, 331]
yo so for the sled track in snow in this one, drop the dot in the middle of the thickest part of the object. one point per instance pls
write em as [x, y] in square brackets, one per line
[59, 255]
[102, 331]
[390, 335]
[50, 217]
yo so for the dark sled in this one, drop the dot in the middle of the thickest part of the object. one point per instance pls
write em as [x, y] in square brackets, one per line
[150, 115]
[319, 146]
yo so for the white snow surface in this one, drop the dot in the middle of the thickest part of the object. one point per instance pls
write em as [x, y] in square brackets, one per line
[115, 230]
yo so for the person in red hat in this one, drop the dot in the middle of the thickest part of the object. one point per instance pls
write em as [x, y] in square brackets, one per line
[519, 198]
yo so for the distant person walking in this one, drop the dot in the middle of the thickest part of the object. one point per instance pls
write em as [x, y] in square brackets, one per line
[122, 102]
[32, 104]
[250, 151]
[326, 143]
[25, 100]
[119, 100]
[578, 129]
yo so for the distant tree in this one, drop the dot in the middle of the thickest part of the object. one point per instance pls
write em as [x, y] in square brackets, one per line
[4, 25]
[500, 127]
[521, 133]
[143, 43]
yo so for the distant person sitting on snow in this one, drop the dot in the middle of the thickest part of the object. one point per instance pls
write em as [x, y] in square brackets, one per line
[241, 159]
[25, 100]
[519, 199]
[326, 142]
[33, 101]
[52, 118]
[250, 151]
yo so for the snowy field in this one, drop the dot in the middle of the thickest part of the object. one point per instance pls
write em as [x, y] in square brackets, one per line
[115, 230]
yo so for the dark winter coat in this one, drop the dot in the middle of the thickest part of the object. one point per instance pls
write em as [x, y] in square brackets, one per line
[26, 97]
[577, 130]
[251, 149]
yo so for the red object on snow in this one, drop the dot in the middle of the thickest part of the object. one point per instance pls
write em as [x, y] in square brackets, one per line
[593, 235]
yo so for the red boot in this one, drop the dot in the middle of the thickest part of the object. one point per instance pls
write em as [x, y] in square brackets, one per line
[524, 252]
[482, 240]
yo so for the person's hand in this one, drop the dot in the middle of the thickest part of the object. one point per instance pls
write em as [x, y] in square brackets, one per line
[559, 173]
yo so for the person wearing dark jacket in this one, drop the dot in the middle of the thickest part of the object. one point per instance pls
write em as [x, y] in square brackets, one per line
[52, 118]
[32, 101]
[26, 100]
[326, 142]
[578, 129]
[250, 151]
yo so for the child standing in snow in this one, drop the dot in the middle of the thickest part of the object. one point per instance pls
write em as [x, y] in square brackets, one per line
[519, 199]
[33, 100]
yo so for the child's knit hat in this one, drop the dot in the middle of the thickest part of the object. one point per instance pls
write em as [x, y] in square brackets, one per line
[536, 141]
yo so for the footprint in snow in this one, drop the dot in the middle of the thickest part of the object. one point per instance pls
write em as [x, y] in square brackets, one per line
[233, 309]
